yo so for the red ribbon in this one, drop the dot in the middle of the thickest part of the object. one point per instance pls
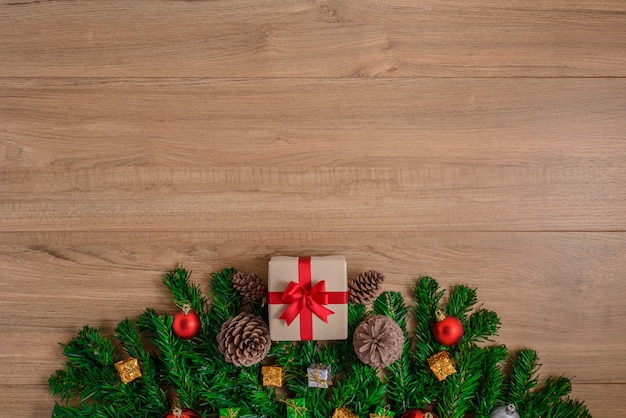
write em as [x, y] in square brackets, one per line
[305, 300]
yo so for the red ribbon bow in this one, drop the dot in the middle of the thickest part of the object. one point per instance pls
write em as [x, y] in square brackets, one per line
[306, 300]
[298, 297]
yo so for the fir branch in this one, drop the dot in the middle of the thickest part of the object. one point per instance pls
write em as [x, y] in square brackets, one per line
[226, 300]
[361, 390]
[392, 305]
[481, 325]
[89, 373]
[402, 386]
[459, 389]
[523, 376]
[152, 396]
[568, 408]
[426, 298]
[539, 402]
[183, 291]
[489, 393]
[94, 411]
[461, 301]
[176, 355]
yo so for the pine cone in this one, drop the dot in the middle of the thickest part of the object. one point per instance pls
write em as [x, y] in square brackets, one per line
[244, 340]
[249, 285]
[365, 286]
[378, 341]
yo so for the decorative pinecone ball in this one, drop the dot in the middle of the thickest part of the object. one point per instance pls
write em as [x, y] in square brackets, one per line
[244, 340]
[250, 285]
[378, 341]
[365, 286]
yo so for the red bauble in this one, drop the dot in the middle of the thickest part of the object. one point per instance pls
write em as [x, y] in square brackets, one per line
[186, 324]
[182, 413]
[418, 413]
[448, 329]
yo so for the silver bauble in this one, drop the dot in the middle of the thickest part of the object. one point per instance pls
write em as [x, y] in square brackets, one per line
[505, 411]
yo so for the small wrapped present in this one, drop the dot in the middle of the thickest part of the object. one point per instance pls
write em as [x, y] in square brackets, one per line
[273, 376]
[229, 412]
[318, 376]
[382, 412]
[296, 408]
[308, 298]
[128, 369]
[441, 365]
[344, 412]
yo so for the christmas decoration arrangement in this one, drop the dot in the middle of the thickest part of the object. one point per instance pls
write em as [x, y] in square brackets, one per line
[308, 343]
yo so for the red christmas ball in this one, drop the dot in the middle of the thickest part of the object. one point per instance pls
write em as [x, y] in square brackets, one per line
[448, 329]
[182, 413]
[418, 413]
[186, 324]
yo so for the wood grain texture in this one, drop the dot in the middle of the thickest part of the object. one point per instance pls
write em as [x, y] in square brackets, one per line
[477, 142]
[362, 38]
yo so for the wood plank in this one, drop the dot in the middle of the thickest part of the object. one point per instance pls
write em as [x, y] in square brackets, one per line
[311, 122]
[554, 292]
[313, 39]
[326, 199]
[463, 154]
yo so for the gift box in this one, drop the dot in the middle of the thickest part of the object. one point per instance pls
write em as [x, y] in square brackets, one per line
[128, 369]
[296, 408]
[318, 376]
[273, 376]
[441, 365]
[308, 298]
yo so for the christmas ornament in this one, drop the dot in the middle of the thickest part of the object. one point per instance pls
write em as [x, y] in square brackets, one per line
[177, 412]
[229, 412]
[447, 330]
[250, 285]
[382, 412]
[318, 376]
[187, 323]
[344, 412]
[505, 411]
[244, 340]
[417, 413]
[128, 369]
[378, 341]
[365, 286]
[273, 375]
[308, 298]
[441, 365]
[296, 408]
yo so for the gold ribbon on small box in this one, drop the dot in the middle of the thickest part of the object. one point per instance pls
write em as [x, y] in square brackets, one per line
[319, 376]
[128, 369]
[295, 407]
[441, 365]
[273, 376]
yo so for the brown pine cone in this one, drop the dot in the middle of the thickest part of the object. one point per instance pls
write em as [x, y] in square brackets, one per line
[365, 286]
[244, 340]
[249, 285]
[378, 341]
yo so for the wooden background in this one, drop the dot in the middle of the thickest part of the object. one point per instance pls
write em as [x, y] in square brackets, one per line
[478, 142]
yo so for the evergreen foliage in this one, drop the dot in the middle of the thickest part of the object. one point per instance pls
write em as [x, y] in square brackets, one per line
[195, 374]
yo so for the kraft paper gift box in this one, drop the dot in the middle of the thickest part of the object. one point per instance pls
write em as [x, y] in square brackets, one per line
[308, 298]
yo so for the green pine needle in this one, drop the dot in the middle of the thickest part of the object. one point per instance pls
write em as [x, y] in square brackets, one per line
[184, 292]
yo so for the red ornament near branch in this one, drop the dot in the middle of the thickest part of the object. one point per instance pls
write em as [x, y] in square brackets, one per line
[447, 330]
